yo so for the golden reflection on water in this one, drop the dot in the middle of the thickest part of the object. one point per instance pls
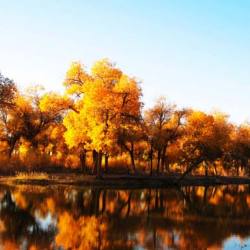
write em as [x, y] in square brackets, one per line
[89, 219]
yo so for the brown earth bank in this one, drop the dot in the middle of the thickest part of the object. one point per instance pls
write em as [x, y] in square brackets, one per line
[121, 181]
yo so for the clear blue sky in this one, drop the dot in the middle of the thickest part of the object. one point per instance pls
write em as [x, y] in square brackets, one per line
[196, 53]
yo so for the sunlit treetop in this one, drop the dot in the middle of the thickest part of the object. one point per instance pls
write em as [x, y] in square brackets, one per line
[8, 91]
[106, 97]
[54, 103]
[76, 77]
[106, 71]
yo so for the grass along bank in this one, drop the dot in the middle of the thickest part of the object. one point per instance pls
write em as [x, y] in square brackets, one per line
[118, 181]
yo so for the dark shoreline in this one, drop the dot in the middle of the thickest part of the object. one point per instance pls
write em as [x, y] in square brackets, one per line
[126, 181]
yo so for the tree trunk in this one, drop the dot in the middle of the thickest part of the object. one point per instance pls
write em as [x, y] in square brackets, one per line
[192, 165]
[10, 151]
[131, 153]
[206, 168]
[237, 170]
[95, 161]
[215, 169]
[132, 161]
[163, 158]
[83, 160]
[158, 161]
[151, 160]
[12, 143]
[106, 163]
[99, 165]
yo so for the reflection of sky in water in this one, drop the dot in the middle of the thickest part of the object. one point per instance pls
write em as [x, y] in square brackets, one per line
[45, 223]
[236, 243]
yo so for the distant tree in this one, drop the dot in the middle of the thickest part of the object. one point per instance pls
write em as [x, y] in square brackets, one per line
[8, 132]
[130, 133]
[163, 123]
[104, 98]
[29, 116]
[238, 150]
[8, 91]
[205, 139]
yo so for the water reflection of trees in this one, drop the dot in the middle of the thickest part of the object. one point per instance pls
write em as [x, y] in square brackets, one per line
[19, 226]
[184, 218]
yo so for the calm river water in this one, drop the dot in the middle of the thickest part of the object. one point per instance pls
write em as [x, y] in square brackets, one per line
[35, 217]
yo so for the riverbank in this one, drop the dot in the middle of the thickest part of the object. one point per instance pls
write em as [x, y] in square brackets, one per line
[121, 181]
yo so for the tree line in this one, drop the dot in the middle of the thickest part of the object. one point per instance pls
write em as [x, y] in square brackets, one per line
[99, 124]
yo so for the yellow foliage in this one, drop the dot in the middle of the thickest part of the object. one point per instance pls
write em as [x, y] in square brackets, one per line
[53, 103]
[106, 70]
[76, 76]
[108, 94]
[23, 104]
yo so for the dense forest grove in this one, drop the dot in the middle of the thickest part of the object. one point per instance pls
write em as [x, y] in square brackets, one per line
[99, 126]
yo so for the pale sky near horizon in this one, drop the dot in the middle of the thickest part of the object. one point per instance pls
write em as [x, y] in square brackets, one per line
[196, 53]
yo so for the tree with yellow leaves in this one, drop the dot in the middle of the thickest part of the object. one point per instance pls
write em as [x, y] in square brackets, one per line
[238, 151]
[163, 124]
[30, 116]
[8, 91]
[8, 133]
[75, 121]
[205, 139]
[105, 99]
